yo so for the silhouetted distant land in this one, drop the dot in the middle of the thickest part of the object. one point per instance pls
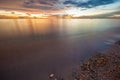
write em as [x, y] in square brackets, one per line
[20, 17]
[56, 16]
[104, 66]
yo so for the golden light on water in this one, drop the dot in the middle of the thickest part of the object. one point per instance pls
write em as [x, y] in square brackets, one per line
[49, 26]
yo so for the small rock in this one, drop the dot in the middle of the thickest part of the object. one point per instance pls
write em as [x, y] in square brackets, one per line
[51, 75]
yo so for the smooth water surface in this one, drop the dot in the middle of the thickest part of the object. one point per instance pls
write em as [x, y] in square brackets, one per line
[31, 49]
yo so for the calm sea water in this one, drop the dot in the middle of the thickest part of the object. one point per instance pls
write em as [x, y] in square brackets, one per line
[31, 49]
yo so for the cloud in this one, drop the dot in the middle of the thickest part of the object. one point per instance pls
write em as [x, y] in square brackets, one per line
[61, 4]
[89, 3]
[106, 15]
[49, 2]
[111, 14]
[43, 4]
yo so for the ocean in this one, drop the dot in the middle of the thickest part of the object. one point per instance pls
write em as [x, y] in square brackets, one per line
[31, 49]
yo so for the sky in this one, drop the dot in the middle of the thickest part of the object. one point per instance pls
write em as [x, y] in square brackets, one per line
[71, 7]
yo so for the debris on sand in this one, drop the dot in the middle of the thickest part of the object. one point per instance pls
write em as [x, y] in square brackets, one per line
[51, 75]
[55, 77]
[104, 66]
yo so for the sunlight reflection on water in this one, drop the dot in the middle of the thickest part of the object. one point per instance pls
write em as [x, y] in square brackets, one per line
[31, 49]
[27, 27]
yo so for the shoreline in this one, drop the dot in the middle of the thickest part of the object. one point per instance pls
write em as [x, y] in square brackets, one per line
[104, 66]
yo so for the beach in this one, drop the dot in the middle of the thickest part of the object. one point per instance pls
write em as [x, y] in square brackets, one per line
[104, 66]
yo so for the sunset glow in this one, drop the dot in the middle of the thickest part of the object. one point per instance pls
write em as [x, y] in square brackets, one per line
[53, 39]
[103, 8]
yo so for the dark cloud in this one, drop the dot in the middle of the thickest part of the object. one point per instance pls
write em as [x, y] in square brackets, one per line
[51, 5]
[48, 1]
[59, 4]
[90, 3]
[6, 1]
[38, 7]
[41, 4]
